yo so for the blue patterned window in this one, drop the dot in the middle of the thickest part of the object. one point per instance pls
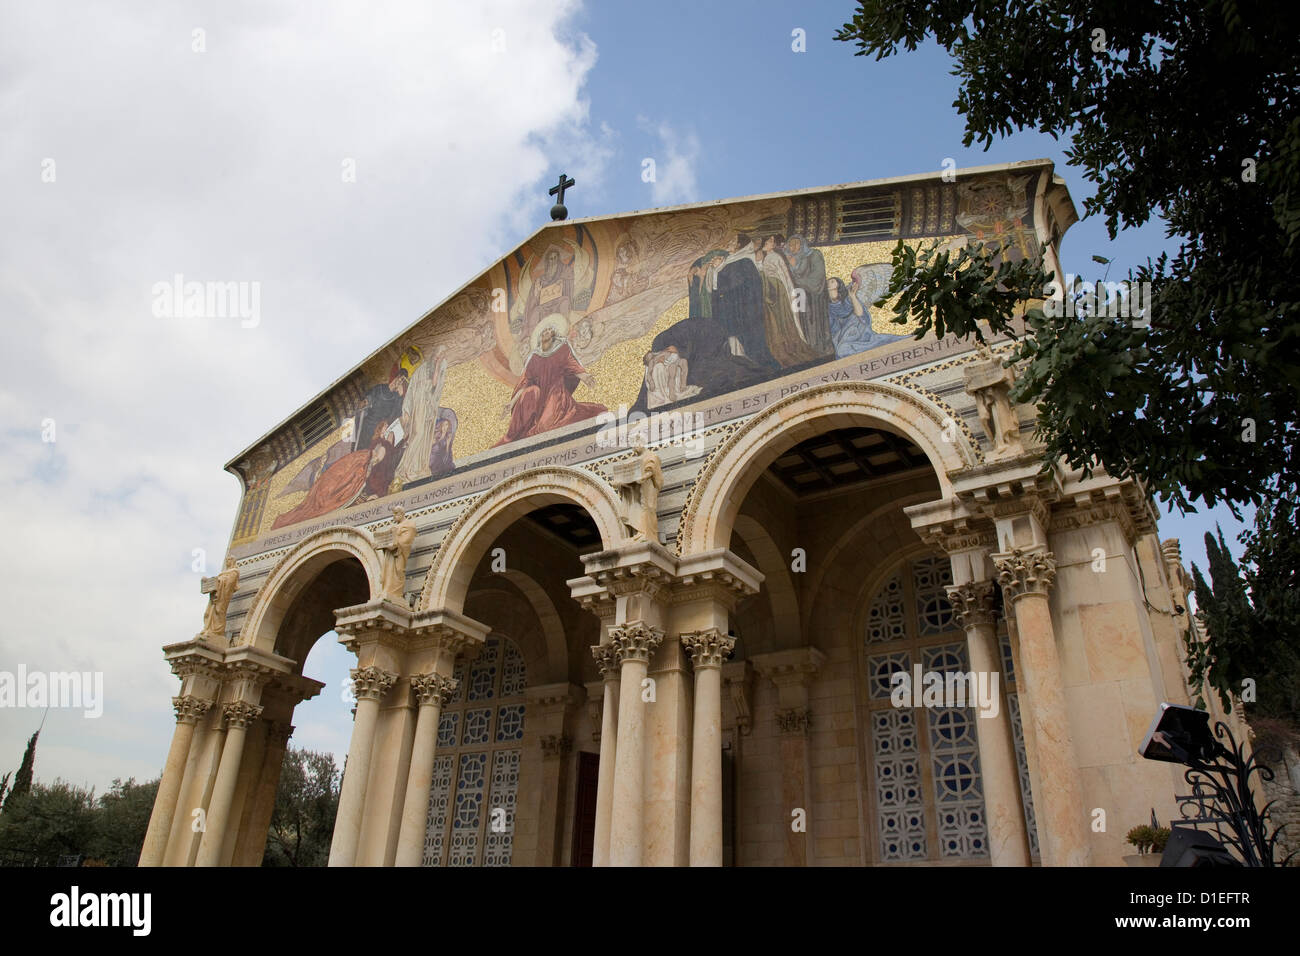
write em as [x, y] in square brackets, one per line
[476, 771]
[924, 781]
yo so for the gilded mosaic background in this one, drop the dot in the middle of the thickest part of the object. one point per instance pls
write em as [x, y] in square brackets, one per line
[654, 312]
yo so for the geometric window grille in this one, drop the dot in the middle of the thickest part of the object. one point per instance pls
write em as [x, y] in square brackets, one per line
[476, 765]
[926, 787]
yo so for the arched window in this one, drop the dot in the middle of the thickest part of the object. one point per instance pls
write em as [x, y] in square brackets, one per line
[476, 769]
[925, 785]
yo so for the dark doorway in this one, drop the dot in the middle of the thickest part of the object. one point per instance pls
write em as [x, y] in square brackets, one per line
[584, 809]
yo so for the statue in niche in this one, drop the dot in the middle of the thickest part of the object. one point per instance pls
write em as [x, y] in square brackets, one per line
[638, 483]
[394, 546]
[990, 384]
[220, 590]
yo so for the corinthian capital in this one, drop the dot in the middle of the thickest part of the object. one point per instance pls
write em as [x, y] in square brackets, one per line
[972, 603]
[433, 689]
[634, 641]
[606, 661]
[371, 683]
[190, 708]
[709, 647]
[1025, 572]
[241, 714]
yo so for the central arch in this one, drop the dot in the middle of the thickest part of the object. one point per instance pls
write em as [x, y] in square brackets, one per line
[711, 513]
[448, 579]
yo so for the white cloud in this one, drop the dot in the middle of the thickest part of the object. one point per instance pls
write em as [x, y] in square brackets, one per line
[674, 164]
[225, 165]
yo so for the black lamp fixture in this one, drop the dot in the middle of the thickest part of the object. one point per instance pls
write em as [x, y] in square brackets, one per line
[1221, 798]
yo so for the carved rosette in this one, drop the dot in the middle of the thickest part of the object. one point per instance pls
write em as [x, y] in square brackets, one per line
[433, 689]
[556, 745]
[241, 714]
[972, 604]
[606, 661]
[371, 683]
[709, 647]
[793, 720]
[1025, 572]
[190, 708]
[635, 641]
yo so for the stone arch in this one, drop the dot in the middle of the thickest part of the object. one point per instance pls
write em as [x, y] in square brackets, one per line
[297, 569]
[549, 624]
[733, 468]
[777, 585]
[448, 578]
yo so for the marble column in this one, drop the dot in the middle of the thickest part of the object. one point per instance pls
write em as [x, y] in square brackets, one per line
[239, 716]
[708, 648]
[608, 667]
[252, 848]
[371, 684]
[431, 691]
[188, 711]
[1026, 577]
[633, 644]
[972, 603]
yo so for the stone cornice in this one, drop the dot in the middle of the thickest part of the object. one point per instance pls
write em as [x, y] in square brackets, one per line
[195, 657]
[635, 641]
[1022, 573]
[949, 526]
[794, 667]
[1101, 499]
[385, 622]
[708, 648]
[555, 697]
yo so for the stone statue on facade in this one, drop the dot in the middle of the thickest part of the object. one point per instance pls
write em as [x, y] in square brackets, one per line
[989, 382]
[220, 590]
[638, 482]
[394, 546]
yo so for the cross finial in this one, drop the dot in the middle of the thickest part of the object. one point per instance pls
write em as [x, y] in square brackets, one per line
[558, 211]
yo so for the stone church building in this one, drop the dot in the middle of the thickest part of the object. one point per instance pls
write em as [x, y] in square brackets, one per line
[659, 544]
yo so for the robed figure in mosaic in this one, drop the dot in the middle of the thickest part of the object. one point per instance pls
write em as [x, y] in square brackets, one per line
[543, 399]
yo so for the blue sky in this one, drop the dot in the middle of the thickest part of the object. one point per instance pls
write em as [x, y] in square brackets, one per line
[223, 163]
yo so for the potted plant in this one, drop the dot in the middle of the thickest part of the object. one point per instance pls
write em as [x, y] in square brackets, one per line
[1150, 842]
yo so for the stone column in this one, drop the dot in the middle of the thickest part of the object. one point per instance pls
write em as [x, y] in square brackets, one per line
[608, 667]
[1026, 578]
[239, 715]
[550, 707]
[431, 691]
[371, 684]
[972, 603]
[707, 648]
[188, 711]
[633, 644]
[792, 672]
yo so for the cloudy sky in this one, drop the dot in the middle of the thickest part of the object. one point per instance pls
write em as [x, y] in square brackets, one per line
[211, 140]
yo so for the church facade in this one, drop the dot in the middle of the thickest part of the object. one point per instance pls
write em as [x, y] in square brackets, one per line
[659, 544]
